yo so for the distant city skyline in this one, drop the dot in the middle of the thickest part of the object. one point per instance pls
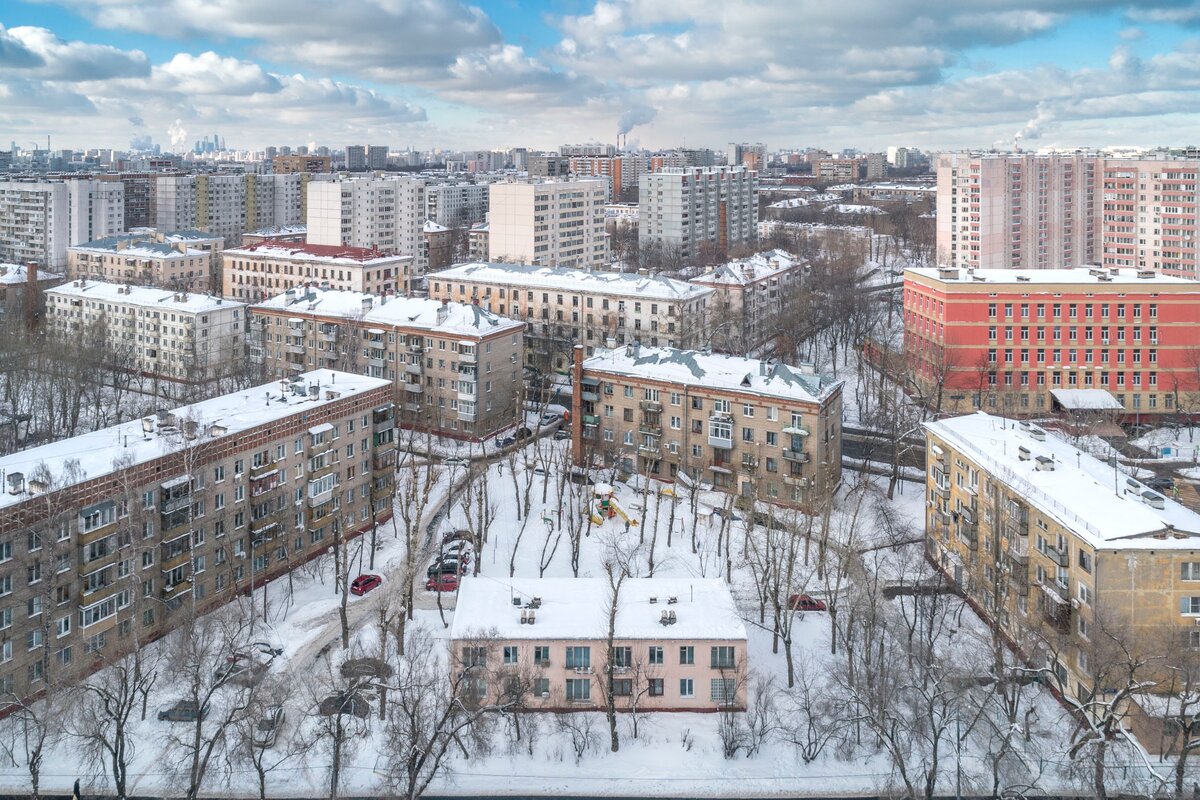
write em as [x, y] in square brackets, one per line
[442, 73]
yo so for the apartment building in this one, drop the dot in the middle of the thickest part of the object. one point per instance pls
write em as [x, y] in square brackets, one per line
[283, 165]
[549, 165]
[164, 335]
[621, 171]
[750, 299]
[229, 205]
[178, 260]
[22, 292]
[549, 223]
[385, 214]
[763, 430]
[456, 205]
[854, 240]
[114, 537]
[259, 271]
[678, 645]
[455, 368]
[842, 170]
[477, 242]
[1053, 544]
[690, 207]
[565, 307]
[39, 220]
[1018, 210]
[1149, 218]
[1006, 339]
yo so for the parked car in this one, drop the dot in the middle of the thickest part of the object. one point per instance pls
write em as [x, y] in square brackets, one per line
[803, 602]
[455, 461]
[459, 549]
[460, 535]
[366, 667]
[266, 649]
[540, 471]
[720, 512]
[550, 418]
[1160, 483]
[266, 730]
[364, 583]
[183, 711]
[442, 583]
[241, 669]
[562, 433]
[522, 433]
[344, 703]
[444, 566]
[507, 441]
[580, 479]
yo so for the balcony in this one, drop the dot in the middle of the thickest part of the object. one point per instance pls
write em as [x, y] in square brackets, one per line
[1018, 550]
[651, 405]
[724, 467]
[1059, 557]
[650, 430]
[384, 461]
[590, 420]
[263, 470]
[327, 335]
[264, 528]
[797, 456]
[467, 357]
[412, 408]
[1056, 611]
[723, 442]
[413, 369]
[414, 388]
[795, 430]
[317, 499]
[466, 416]
[650, 451]
[376, 362]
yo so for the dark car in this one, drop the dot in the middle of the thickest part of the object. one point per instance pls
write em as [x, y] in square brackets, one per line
[366, 668]
[507, 441]
[445, 566]
[802, 602]
[522, 433]
[266, 649]
[442, 583]
[1160, 483]
[364, 583]
[562, 433]
[457, 551]
[183, 711]
[344, 703]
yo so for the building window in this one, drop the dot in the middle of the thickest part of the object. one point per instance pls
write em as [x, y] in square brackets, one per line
[1189, 605]
[656, 654]
[541, 655]
[656, 687]
[579, 688]
[687, 655]
[722, 691]
[688, 689]
[510, 654]
[581, 657]
[722, 657]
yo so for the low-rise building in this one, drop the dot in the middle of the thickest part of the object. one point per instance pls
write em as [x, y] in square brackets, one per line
[477, 242]
[763, 430]
[259, 271]
[115, 537]
[166, 336]
[1006, 338]
[455, 368]
[565, 307]
[750, 300]
[276, 234]
[543, 644]
[22, 291]
[439, 245]
[179, 260]
[1066, 554]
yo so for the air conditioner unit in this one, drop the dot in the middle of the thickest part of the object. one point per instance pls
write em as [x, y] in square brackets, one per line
[546, 695]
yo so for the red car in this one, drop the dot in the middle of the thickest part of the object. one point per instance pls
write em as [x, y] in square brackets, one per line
[442, 583]
[802, 602]
[364, 583]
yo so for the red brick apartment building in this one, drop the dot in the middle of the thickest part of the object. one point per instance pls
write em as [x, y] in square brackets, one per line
[1000, 338]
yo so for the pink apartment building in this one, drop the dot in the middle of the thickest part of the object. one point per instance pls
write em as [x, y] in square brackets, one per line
[1018, 210]
[679, 644]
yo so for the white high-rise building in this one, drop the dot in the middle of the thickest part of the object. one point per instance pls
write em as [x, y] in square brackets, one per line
[386, 214]
[549, 223]
[39, 220]
[685, 207]
[456, 205]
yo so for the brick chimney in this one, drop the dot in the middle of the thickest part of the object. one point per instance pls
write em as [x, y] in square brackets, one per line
[577, 407]
[33, 295]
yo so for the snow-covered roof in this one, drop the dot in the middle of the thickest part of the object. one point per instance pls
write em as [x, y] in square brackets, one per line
[479, 227]
[714, 371]
[1086, 399]
[150, 243]
[433, 227]
[15, 273]
[577, 609]
[851, 208]
[749, 270]
[1105, 508]
[279, 230]
[94, 453]
[575, 280]
[1023, 277]
[408, 312]
[318, 253]
[146, 296]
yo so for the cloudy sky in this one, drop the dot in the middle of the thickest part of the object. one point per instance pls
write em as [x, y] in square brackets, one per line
[502, 73]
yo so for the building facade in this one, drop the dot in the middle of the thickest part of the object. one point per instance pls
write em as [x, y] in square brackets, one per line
[1054, 545]
[686, 208]
[39, 220]
[98, 554]
[678, 645]
[750, 299]
[455, 369]
[260, 271]
[550, 223]
[764, 431]
[229, 205]
[565, 307]
[164, 335]
[385, 214]
[178, 260]
[1004, 339]
[283, 165]
[456, 205]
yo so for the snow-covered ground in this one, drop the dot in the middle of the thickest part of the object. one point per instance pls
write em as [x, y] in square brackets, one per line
[675, 754]
[1173, 443]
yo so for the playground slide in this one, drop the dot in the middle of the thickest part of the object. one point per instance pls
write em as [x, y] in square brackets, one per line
[594, 509]
[617, 507]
